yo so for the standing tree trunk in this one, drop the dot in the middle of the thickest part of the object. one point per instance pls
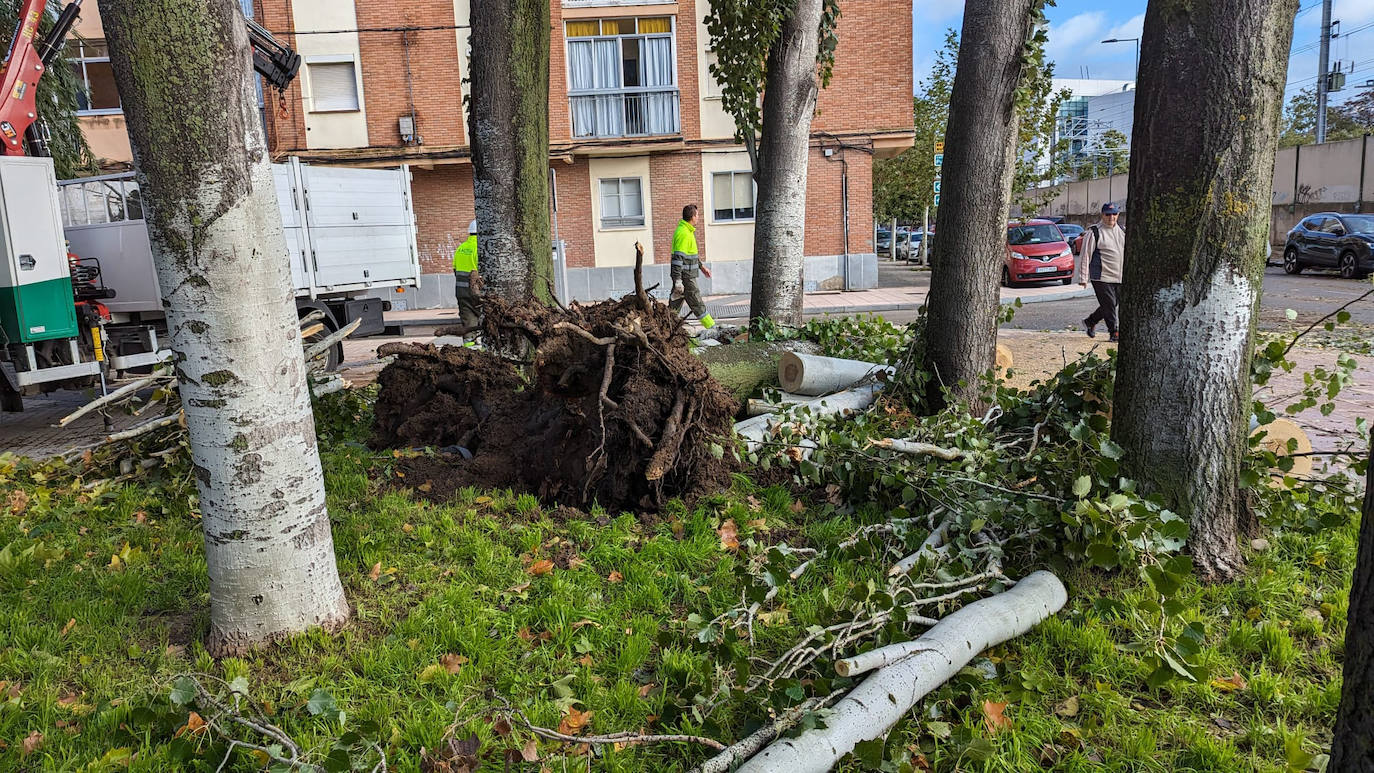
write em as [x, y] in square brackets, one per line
[789, 104]
[182, 67]
[509, 129]
[980, 161]
[1196, 244]
[1352, 749]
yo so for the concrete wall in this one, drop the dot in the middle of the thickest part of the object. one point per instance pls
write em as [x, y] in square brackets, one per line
[1334, 177]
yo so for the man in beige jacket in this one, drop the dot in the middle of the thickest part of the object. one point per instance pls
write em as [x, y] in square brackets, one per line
[1100, 255]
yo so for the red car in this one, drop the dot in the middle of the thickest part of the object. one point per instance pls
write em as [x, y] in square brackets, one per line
[1036, 252]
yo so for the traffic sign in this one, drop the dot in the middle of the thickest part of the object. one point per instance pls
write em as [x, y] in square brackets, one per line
[937, 199]
[937, 185]
[939, 160]
[940, 146]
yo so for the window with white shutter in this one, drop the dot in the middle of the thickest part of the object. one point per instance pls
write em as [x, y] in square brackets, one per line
[333, 86]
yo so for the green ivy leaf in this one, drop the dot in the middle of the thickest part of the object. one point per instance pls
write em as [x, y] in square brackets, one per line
[183, 691]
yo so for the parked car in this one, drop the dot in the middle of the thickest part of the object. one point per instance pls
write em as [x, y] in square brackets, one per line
[1036, 252]
[1331, 240]
[1072, 233]
[884, 244]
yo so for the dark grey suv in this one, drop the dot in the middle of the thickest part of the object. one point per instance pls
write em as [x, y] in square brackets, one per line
[1331, 240]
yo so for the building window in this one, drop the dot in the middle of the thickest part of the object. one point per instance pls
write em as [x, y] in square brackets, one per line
[622, 77]
[333, 85]
[96, 93]
[622, 203]
[732, 196]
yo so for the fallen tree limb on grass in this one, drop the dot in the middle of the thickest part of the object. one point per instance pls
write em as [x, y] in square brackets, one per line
[873, 707]
[920, 449]
[756, 430]
[116, 396]
[742, 750]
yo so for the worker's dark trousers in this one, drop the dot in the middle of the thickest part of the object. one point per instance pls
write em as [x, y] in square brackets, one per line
[1106, 304]
[690, 292]
[469, 309]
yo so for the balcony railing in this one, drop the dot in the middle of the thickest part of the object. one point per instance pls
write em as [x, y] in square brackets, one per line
[625, 113]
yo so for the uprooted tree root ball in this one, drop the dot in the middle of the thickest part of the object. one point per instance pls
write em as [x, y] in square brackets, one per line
[611, 407]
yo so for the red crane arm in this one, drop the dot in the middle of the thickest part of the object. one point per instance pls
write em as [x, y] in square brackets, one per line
[19, 75]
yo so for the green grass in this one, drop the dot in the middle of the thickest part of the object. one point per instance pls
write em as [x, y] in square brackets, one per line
[453, 579]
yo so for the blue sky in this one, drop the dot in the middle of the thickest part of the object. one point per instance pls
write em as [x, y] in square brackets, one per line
[1077, 26]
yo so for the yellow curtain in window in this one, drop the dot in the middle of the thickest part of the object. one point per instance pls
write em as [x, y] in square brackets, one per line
[613, 27]
[655, 25]
[582, 29]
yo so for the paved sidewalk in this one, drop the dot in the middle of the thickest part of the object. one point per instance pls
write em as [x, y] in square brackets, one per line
[826, 302]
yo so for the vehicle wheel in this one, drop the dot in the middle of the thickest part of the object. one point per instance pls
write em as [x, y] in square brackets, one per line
[1006, 278]
[314, 331]
[1350, 269]
[1290, 262]
[1066, 281]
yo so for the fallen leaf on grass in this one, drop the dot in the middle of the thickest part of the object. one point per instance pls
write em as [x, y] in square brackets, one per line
[407, 528]
[540, 567]
[1233, 682]
[140, 517]
[482, 500]
[794, 453]
[453, 662]
[797, 506]
[576, 562]
[19, 499]
[376, 571]
[521, 588]
[31, 744]
[66, 629]
[584, 623]
[645, 689]
[1067, 707]
[431, 672]
[614, 577]
[66, 698]
[761, 524]
[530, 752]
[729, 535]
[586, 660]
[501, 726]
[994, 718]
[677, 527]
[426, 487]
[195, 725]
[754, 504]
[575, 721]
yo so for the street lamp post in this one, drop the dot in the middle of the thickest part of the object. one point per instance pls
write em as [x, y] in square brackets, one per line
[1137, 50]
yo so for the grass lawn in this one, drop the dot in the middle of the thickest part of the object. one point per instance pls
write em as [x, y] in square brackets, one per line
[582, 620]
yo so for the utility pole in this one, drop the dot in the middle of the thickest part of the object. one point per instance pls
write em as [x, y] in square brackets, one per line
[1323, 76]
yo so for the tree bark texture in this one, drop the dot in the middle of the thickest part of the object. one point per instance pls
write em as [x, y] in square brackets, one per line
[1196, 244]
[789, 104]
[509, 127]
[183, 71]
[1352, 749]
[980, 161]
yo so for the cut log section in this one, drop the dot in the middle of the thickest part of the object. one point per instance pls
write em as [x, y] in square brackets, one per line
[809, 374]
[1004, 358]
[754, 431]
[888, 694]
[1277, 435]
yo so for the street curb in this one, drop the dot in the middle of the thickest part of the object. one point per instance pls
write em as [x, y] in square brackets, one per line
[741, 311]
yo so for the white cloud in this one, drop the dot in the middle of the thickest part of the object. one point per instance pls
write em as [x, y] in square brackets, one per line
[1072, 36]
[930, 12]
[1130, 29]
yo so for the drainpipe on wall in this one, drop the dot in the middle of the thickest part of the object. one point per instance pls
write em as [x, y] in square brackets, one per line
[1297, 167]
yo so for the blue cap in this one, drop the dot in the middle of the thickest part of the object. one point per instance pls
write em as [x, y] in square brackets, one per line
[1110, 208]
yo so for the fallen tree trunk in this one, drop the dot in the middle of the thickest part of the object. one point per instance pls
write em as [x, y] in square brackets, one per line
[883, 698]
[757, 406]
[810, 374]
[756, 430]
[745, 367]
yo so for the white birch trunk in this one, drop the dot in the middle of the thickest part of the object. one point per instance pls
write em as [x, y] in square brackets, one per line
[883, 698]
[789, 104]
[217, 241]
[758, 429]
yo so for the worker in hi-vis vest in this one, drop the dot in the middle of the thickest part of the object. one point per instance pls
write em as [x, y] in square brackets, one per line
[684, 268]
[467, 285]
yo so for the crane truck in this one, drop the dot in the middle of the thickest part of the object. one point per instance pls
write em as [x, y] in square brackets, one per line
[80, 304]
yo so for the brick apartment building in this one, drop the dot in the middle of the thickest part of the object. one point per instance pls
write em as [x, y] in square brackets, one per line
[636, 129]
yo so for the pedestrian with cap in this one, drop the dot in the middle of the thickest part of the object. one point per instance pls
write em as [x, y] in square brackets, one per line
[684, 268]
[1100, 258]
[467, 284]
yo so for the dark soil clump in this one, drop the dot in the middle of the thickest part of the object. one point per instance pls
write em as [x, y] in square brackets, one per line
[611, 407]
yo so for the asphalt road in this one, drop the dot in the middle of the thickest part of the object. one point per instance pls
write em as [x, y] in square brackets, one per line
[1312, 294]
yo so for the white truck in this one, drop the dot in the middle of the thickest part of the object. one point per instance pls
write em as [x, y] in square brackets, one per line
[350, 237]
